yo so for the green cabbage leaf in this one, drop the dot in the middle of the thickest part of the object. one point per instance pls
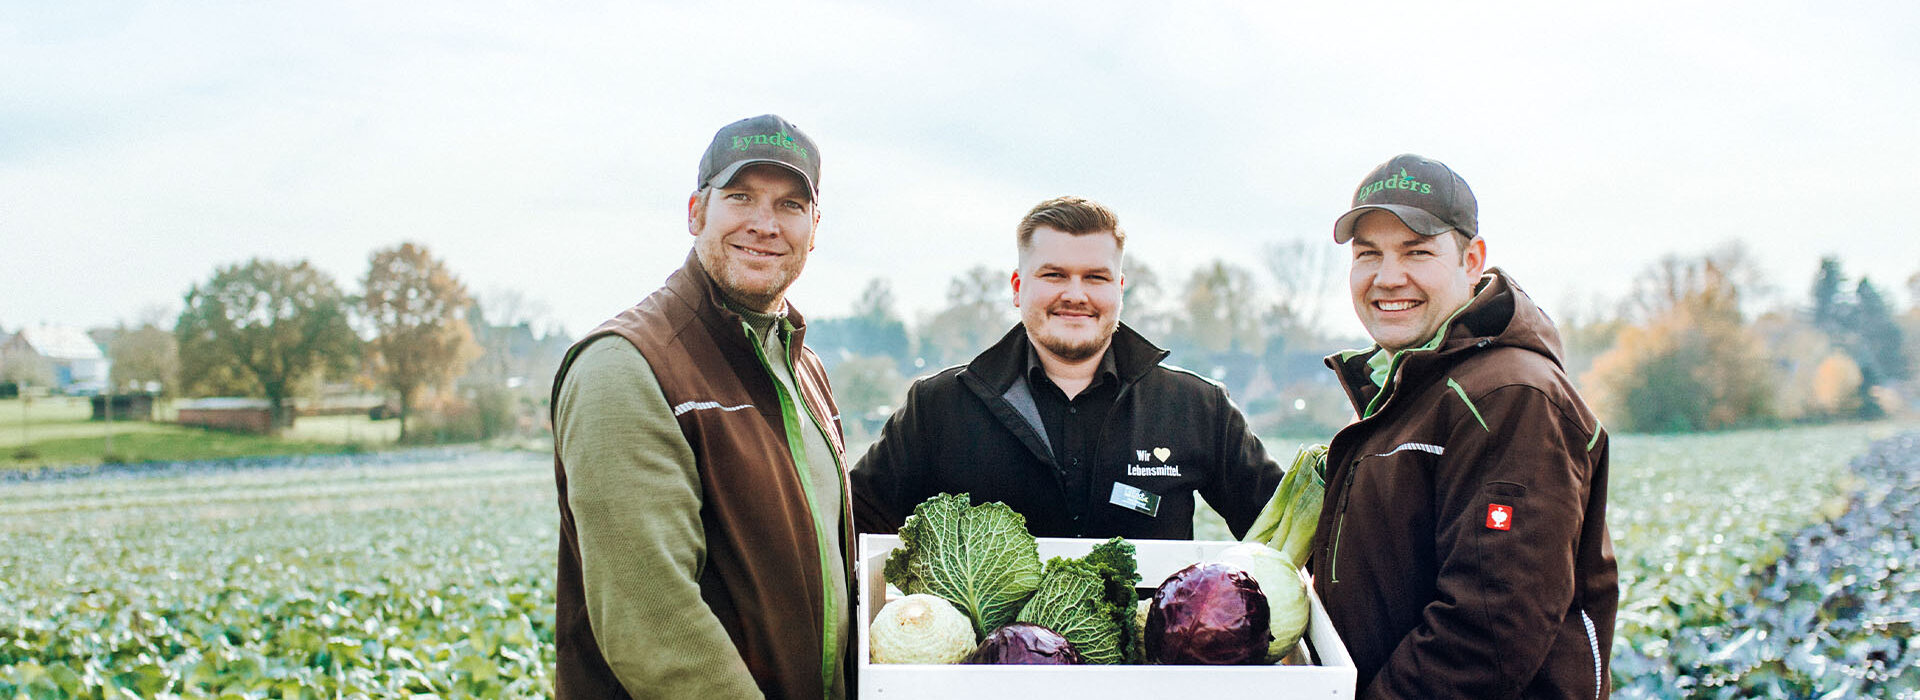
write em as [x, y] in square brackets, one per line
[980, 558]
[1091, 602]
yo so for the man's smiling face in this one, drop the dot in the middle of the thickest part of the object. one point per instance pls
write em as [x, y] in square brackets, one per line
[1068, 290]
[1404, 284]
[753, 234]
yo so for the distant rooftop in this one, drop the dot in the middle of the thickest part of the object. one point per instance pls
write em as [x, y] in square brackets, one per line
[61, 343]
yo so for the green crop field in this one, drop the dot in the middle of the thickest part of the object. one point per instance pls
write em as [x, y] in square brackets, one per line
[58, 431]
[1694, 516]
[346, 581]
[1691, 517]
[388, 577]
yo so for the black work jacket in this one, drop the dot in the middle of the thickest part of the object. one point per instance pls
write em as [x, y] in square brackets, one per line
[974, 429]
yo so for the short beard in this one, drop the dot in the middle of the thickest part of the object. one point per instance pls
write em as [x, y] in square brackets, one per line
[757, 303]
[759, 300]
[1072, 351]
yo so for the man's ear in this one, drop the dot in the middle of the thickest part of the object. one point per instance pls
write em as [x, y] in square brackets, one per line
[1016, 288]
[813, 236]
[693, 203]
[1476, 257]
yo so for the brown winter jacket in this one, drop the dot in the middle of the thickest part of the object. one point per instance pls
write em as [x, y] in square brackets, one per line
[1462, 551]
[762, 576]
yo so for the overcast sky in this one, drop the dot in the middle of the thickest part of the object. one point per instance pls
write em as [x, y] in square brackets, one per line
[550, 148]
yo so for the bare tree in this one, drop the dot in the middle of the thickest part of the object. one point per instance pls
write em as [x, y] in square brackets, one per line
[1304, 274]
[977, 312]
[1144, 290]
[1726, 279]
[1222, 311]
[512, 307]
[24, 367]
[504, 325]
[144, 355]
[1143, 302]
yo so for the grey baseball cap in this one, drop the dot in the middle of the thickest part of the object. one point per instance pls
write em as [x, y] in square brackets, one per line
[763, 139]
[1424, 193]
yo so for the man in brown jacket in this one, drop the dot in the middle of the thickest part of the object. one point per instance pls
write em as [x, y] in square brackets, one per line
[704, 527]
[1462, 551]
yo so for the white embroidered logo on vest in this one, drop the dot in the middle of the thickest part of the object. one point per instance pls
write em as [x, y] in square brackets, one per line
[705, 405]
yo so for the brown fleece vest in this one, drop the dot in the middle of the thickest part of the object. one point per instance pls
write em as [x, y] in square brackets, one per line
[762, 573]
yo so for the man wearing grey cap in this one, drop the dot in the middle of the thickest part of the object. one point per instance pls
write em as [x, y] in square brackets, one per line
[704, 527]
[1462, 550]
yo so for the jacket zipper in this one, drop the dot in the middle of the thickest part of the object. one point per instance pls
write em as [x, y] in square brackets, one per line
[1091, 504]
[1346, 490]
[819, 424]
[797, 447]
[1340, 526]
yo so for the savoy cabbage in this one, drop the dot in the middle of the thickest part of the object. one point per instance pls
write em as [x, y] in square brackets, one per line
[979, 558]
[1090, 601]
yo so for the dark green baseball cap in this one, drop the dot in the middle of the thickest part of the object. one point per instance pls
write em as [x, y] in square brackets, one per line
[763, 139]
[1424, 193]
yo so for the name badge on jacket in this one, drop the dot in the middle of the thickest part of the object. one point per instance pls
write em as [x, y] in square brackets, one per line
[1134, 499]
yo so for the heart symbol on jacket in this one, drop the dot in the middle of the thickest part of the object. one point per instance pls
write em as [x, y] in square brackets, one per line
[1162, 453]
[1499, 517]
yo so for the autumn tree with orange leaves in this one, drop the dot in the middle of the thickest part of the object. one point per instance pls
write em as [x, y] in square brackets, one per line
[1688, 361]
[417, 310]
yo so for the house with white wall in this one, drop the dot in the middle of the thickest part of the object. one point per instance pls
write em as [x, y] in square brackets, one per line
[76, 364]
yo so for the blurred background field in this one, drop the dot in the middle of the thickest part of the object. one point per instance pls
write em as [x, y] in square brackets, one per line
[58, 430]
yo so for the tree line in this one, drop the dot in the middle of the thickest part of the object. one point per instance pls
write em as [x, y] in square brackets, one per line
[1686, 352]
[262, 326]
[1256, 330]
[1690, 348]
[410, 329]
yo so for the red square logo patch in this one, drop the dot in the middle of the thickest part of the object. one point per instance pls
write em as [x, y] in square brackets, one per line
[1499, 517]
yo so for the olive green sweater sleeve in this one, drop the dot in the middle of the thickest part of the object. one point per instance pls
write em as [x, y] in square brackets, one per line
[635, 494]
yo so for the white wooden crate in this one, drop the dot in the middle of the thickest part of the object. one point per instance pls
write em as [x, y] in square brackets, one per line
[1332, 677]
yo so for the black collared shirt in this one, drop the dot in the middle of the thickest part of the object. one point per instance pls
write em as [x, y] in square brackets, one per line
[1074, 425]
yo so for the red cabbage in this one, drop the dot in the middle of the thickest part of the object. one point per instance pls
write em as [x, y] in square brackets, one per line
[1024, 643]
[1208, 613]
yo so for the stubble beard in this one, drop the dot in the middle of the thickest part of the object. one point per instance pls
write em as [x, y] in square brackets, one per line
[743, 287]
[1072, 350]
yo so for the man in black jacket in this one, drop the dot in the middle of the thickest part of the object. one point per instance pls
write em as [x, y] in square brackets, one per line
[1070, 419]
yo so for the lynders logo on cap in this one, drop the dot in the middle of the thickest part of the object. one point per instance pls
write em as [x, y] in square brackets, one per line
[1424, 194]
[1402, 182]
[763, 139]
[781, 140]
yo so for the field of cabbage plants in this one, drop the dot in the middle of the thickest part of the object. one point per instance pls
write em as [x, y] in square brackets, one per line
[377, 576]
[1768, 564]
[1736, 580]
[1754, 564]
